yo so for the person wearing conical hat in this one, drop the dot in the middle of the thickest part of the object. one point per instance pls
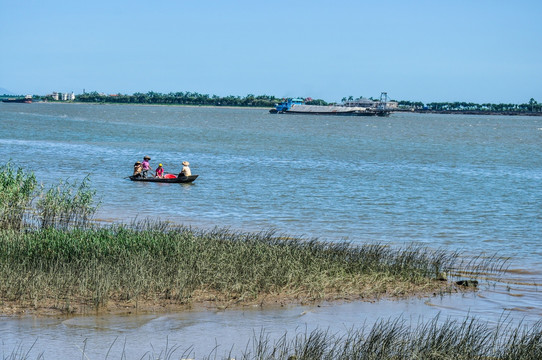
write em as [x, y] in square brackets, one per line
[137, 169]
[145, 166]
[186, 170]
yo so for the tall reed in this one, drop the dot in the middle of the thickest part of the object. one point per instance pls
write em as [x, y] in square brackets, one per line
[24, 205]
[17, 190]
[467, 339]
[67, 205]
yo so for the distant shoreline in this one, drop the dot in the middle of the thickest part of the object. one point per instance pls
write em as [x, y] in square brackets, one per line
[417, 111]
[473, 112]
[142, 104]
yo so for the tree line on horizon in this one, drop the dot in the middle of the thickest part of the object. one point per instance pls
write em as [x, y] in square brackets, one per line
[531, 106]
[194, 98]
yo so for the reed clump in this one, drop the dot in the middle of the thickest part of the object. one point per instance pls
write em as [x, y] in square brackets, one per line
[26, 205]
[67, 205]
[467, 339]
[17, 190]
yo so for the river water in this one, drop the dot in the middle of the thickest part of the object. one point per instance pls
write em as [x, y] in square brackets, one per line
[458, 182]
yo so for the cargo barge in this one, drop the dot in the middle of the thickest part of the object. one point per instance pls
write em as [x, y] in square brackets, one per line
[26, 100]
[297, 106]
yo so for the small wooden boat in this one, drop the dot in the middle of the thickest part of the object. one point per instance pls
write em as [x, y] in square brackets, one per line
[170, 179]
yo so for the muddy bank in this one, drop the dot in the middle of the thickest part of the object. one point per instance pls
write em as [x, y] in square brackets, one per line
[216, 302]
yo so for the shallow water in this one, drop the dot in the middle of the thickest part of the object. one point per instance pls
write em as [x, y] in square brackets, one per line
[467, 183]
[197, 334]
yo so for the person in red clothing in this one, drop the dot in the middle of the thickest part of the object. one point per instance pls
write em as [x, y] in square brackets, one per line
[159, 171]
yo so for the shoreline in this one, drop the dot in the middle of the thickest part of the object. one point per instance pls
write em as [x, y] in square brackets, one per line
[471, 112]
[159, 268]
[212, 302]
[416, 111]
[142, 104]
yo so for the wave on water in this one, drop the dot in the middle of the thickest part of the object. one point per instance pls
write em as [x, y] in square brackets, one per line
[56, 147]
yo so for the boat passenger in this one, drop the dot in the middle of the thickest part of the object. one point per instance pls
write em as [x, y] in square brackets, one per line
[186, 170]
[145, 166]
[137, 169]
[159, 171]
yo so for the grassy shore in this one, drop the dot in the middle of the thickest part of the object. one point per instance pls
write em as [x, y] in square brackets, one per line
[52, 257]
[77, 269]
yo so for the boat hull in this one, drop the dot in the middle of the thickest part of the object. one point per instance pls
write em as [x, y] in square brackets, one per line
[177, 180]
[334, 113]
[296, 108]
[19, 101]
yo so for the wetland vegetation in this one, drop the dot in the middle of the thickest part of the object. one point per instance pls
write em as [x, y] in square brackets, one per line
[160, 265]
[53, 257]
[397, 339]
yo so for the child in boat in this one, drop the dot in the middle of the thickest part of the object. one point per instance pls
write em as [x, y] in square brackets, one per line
[137, 169]
[159, 171]
[186, 170]
[145, 166]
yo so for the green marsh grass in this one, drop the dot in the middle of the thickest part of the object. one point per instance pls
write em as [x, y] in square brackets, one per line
[180, 264]
[24, 205]
[67, 205]
[467, 339]
[51, 254]
[17, 191]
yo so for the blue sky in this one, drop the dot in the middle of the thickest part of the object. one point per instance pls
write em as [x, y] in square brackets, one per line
[474, 51]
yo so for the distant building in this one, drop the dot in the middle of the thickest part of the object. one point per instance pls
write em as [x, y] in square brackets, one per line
[391, 104]
[361, 102]
[368, 103]
[58, 96]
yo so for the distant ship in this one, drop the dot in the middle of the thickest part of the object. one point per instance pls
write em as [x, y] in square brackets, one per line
[27, 100]
[298, 106]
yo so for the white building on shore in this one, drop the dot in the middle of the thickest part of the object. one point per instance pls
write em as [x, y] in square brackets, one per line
[58, 96]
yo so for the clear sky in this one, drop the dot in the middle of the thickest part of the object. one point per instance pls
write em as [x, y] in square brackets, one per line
[440, 50]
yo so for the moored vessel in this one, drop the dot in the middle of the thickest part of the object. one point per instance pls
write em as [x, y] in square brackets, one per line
[27, 100]
[298, 106]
